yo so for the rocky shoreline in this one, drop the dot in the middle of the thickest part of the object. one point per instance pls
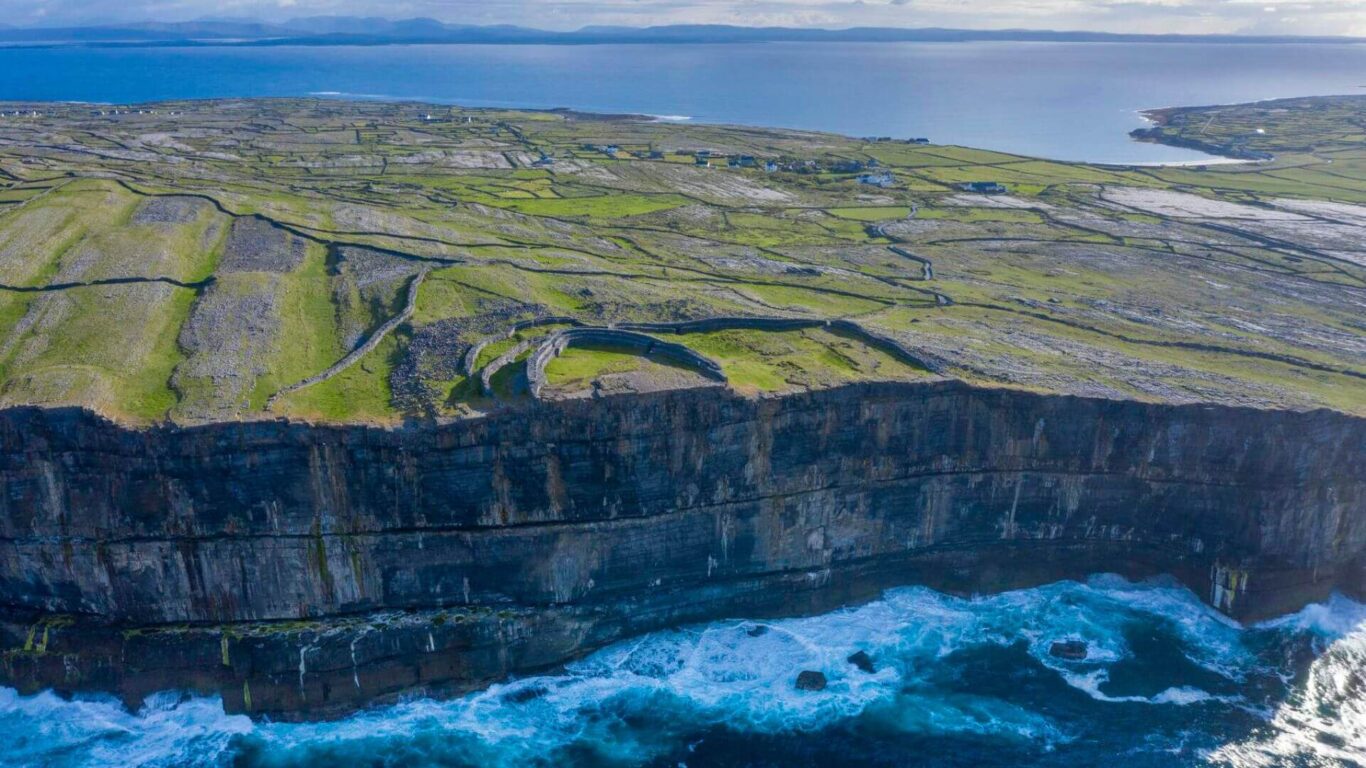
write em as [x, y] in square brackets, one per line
[1161, 119]
[303, 571]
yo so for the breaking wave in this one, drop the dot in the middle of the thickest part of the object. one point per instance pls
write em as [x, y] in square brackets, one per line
[1323, 721]
[1164, 681]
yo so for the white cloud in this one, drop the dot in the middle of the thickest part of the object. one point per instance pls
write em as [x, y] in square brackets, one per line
[1193, 16]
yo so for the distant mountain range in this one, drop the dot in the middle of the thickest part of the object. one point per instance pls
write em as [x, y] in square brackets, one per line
[351, 30]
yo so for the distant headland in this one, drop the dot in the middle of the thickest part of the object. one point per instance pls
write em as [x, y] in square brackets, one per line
[349, 30]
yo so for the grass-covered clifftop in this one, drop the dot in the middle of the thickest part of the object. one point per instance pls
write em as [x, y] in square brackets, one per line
[361, 261]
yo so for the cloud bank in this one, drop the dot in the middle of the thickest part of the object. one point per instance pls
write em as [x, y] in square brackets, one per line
[1308, 17]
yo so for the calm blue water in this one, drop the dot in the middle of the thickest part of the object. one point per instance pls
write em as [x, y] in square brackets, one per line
[957, 682]
[1074, 101]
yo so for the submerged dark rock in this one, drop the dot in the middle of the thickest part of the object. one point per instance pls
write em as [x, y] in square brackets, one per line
[1068, 650]
[810, 680]
[303, 571]
[523, 695]
[862, 661]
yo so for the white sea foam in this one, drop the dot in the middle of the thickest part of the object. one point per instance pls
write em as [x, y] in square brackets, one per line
[1323, 722]
[166, 731]
[1334, 619]
[361, 96]
[1090, 683]
[740, 675]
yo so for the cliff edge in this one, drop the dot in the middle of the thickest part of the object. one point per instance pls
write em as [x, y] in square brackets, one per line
[304, 570]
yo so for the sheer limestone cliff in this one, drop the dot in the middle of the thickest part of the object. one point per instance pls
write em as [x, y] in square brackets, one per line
[304, 570]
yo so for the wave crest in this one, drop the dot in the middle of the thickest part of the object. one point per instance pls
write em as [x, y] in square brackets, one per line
[942, 668]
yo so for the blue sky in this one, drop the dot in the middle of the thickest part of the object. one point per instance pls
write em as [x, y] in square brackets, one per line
[1190, 16]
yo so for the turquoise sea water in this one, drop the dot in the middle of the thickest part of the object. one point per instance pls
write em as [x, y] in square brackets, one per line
[1073, 101]
[957, 682]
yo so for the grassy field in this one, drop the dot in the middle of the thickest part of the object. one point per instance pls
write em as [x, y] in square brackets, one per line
[269, 243]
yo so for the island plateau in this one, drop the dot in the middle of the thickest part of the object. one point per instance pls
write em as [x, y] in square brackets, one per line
[318, 403]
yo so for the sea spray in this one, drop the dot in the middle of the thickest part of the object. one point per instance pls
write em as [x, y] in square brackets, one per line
[169, 730]
[1164, 681]
[1323, 721]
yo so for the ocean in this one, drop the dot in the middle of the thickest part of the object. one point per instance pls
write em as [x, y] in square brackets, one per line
[1067, 101]
[954, 681]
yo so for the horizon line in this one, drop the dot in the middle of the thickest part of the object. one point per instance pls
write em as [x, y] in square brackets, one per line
[151, 25]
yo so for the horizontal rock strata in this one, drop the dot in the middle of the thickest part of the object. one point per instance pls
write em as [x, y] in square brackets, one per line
[304, 570]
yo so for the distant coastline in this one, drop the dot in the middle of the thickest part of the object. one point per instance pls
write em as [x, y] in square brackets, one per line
[348, 31]
[907, 90]
[1160, 119]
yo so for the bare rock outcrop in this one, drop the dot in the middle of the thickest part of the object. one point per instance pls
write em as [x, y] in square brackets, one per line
[326, 567]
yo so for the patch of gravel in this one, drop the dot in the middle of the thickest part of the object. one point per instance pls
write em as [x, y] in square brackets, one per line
[687, 215]
[367, 288]
[1344, 213]
[231, 333]
[1183, 205]
[76, 265]
[435, 351]
[716, 184]
[910, 228]
[168, 210]
[35, 331]
[361, 218]
[211, 234]
[339, 161]
[1314, 234]
[995, 201]
[255, 245]
[454, 159]
[26, 239]
[367, 266]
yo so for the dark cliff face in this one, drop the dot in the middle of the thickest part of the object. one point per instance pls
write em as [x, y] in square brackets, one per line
[306, 569]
